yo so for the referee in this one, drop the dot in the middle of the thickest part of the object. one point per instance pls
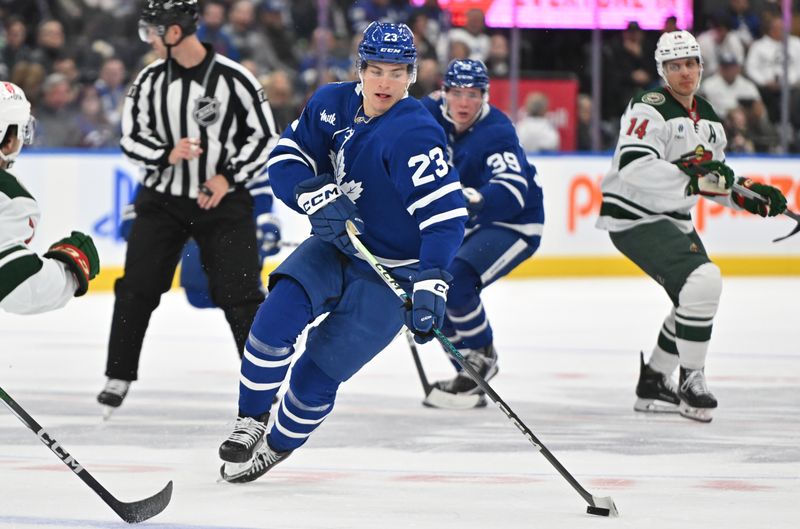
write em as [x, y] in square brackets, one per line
[201, 127]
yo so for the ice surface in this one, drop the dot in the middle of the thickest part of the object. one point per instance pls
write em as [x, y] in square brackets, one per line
[568, 365]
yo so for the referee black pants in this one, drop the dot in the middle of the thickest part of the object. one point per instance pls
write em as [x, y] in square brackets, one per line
[226, 236]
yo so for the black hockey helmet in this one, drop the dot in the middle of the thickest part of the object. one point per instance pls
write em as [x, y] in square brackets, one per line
[162, 14]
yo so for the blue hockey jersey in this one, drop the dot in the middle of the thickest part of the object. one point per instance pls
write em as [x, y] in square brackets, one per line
[489, 158]
[393, 167]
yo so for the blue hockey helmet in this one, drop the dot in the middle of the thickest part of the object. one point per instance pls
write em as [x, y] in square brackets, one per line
[466, 73]
[386, 42]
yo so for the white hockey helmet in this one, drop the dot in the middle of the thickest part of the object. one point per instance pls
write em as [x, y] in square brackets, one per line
[676, 45]
[15, 110]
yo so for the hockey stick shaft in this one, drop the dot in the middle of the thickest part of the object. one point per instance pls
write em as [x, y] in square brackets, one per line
[423, 378]
[133, 512]
[593, 501]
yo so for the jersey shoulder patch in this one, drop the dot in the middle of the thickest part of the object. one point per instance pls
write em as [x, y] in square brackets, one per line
[661, 101]
[11, 187]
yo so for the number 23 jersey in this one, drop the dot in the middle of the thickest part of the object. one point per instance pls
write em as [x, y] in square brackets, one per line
[393, 167]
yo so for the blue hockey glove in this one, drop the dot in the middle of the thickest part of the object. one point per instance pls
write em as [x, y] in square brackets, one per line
[428, 303]
[328, 209]
[268, 233]
[126, 217]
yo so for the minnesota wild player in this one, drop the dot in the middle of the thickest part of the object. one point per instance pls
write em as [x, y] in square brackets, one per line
[647, 198]
[30, 283]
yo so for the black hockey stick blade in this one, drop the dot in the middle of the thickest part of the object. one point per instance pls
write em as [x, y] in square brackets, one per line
[139, 511]
[133, 512]
[795, 217]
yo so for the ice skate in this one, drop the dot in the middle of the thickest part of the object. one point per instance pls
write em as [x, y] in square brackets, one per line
[461, 392]
[112, 395]
[265, 458]
[655, 392]
[247, 437]
[696, 401]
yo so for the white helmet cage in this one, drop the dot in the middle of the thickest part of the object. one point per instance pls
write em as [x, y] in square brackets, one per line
[676, 45]
[15, 110]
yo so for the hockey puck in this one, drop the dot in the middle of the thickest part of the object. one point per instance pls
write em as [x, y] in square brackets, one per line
[597, 511]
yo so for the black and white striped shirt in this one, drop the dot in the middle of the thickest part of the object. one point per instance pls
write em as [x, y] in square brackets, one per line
[217, 101]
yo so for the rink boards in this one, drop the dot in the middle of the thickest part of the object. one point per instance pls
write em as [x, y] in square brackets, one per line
[77, 190]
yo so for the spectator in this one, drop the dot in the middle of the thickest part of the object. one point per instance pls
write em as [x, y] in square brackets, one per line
[211, 31]
[473, 34]
[429, 78]
[418, 22]
[95, 130]
[111, 88]
[535, 131]
[726, 88]
[499, 56]
[56, 119]
[765, 67]
[458, 50]
[744, 21]
[628, 69]
[364, 12]
[608, 134]
[717, 41]
[762, 131]
[737, 133]
[29, 76]
[280, 39]
[49, 44]
[280, 94]
[15, 49]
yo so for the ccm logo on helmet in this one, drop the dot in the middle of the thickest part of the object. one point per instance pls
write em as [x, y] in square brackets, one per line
[315, 200]
[390, 50]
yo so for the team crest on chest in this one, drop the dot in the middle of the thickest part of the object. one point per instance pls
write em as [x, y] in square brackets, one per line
[654, 98]
[206, 111]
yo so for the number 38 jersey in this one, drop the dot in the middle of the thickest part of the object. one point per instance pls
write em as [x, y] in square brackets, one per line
[393, 167]
[644, 185]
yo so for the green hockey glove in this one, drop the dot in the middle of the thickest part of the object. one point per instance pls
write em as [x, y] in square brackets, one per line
[80, 255]
[775, 201]
[709, 178]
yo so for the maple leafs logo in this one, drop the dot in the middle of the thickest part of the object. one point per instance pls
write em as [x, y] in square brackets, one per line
[350, 188]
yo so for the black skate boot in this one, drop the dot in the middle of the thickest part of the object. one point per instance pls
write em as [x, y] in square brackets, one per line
[112, 395]
[265, 458]
[484, 361]
[656, 391]
[247, 437]
[696, 400]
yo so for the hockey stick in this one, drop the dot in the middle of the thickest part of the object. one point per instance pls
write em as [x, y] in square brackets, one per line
[691, 157]
[134, 512]
[599, 506]
[435, 397]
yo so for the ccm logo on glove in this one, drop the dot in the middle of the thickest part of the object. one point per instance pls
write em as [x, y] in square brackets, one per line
[313, 201]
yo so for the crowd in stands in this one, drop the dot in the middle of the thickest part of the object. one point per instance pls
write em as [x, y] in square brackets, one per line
[75, 59]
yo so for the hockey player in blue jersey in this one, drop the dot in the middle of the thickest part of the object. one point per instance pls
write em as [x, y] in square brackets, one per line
[368, 153]
[505, 217]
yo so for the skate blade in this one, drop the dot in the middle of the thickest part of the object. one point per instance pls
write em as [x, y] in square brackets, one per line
[107, 412]
[654, 406]
[453, 401]
[232, 471]
[696, 414]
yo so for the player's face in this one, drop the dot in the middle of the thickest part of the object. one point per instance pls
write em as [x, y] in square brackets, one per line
[384, 84]
[682, 75]
[463, 105]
